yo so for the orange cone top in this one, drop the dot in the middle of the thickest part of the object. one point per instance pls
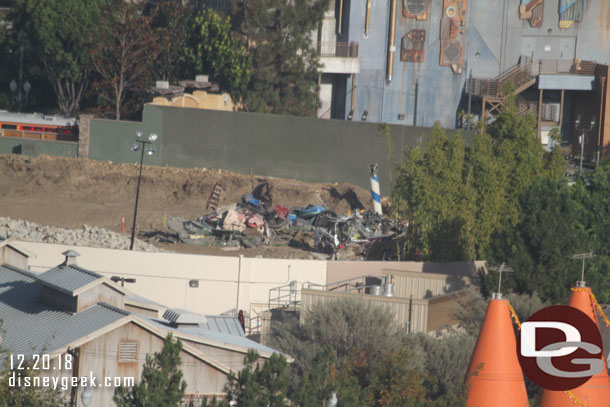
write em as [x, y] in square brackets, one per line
[494, 375]
[596, 391]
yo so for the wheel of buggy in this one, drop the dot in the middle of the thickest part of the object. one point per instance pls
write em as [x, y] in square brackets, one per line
[276, 222]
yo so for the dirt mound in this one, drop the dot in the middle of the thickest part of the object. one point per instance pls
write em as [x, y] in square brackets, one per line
[69, 192]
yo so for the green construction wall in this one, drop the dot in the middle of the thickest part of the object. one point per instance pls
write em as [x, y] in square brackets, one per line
[12, 145]
[111, 140]
[302, 148]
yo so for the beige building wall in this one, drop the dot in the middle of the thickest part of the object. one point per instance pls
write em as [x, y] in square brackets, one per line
[400, 307]
[99, 358]
[200, 99]
[344, 270]
[425, 285]
[165, 277]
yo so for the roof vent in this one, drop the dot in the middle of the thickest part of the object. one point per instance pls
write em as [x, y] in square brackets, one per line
[179, 317]
[71, 256]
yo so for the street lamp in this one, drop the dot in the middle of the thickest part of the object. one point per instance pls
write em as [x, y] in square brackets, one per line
[86, 396]
[583, 129]
[144, 145]
[122, 280]
[20, 92]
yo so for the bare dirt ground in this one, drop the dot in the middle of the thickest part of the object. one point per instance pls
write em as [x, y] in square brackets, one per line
[69, 192]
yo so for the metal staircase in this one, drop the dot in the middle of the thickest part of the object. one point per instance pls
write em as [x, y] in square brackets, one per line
[522, 76]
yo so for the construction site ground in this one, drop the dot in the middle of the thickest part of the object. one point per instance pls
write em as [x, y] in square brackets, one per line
[71, 192]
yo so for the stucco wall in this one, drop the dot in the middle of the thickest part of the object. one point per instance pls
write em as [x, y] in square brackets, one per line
[164, 277]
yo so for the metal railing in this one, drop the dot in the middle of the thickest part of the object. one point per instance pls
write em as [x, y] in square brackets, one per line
[351, 284]
[550, 67]
[337, 49]
[522, 75]
[284, 296]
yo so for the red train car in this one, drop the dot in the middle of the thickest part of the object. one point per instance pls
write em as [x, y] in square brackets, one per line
[38, 126]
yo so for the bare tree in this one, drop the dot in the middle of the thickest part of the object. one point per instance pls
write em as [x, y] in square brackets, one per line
[123, 54]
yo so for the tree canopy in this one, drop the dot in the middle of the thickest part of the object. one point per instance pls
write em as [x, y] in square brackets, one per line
[284, 63]
[87, 52]
[57, 35]
[211, 48]
[504, 198]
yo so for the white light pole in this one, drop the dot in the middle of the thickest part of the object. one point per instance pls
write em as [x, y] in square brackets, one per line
[145, 145]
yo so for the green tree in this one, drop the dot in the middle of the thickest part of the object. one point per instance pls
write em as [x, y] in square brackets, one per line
[256, 386]
[284, 62]
[24, 396]
[161, 383]
[123, 53]
[211, 49]
[395, 383]
[56, 34]
[436, 186]
[549, 230]
[30, 396]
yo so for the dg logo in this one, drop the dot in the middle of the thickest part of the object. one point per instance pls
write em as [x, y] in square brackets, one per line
[560, 348]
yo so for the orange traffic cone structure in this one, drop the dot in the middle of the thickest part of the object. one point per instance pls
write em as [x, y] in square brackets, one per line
[494, 375]
[596, 391]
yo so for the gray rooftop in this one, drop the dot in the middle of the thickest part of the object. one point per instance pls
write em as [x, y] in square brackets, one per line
[205, 333]
[224, 324]
[30, 326]
[68, 278]
[36, 118]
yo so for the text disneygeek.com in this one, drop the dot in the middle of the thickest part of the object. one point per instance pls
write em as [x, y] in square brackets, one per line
[64, 383]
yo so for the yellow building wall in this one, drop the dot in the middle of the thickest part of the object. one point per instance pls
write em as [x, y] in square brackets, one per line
[200, 100]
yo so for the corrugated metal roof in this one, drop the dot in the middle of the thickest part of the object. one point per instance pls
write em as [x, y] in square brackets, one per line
[68, 278]
[224, 325]
[205, 333]
[143, 300]
[33, 327]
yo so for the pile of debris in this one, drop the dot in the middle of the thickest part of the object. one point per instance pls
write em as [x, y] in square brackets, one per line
[89, 236]
[256, 221]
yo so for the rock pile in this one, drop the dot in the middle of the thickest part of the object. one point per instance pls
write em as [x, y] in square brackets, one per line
[89, 236]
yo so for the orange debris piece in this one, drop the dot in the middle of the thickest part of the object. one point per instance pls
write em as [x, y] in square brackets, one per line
[596, 391]
[494, 375]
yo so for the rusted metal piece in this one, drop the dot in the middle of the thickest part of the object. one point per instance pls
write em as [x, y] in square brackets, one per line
[452, 45]
[412, 46]
[417, 9]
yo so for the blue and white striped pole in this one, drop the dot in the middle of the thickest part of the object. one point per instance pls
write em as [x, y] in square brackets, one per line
[375, 190]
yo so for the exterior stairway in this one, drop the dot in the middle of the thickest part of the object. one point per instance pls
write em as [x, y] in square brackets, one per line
[522, 76]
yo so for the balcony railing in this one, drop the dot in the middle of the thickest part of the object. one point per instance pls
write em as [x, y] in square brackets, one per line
[337, 49]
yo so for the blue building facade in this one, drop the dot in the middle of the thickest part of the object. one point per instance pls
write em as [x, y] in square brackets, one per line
[492, 34]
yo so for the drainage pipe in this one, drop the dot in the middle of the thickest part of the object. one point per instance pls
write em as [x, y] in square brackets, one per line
[375, 190]
[340, 15]
[366, 20]
[391, 43]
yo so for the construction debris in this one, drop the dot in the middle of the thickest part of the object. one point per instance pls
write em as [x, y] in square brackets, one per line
[255, 221]
[90, 236]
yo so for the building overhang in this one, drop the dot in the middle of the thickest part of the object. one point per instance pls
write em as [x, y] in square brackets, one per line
[566, 82]
[343, 65]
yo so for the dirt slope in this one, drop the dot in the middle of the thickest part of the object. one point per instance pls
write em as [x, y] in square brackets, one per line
[70, 192]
